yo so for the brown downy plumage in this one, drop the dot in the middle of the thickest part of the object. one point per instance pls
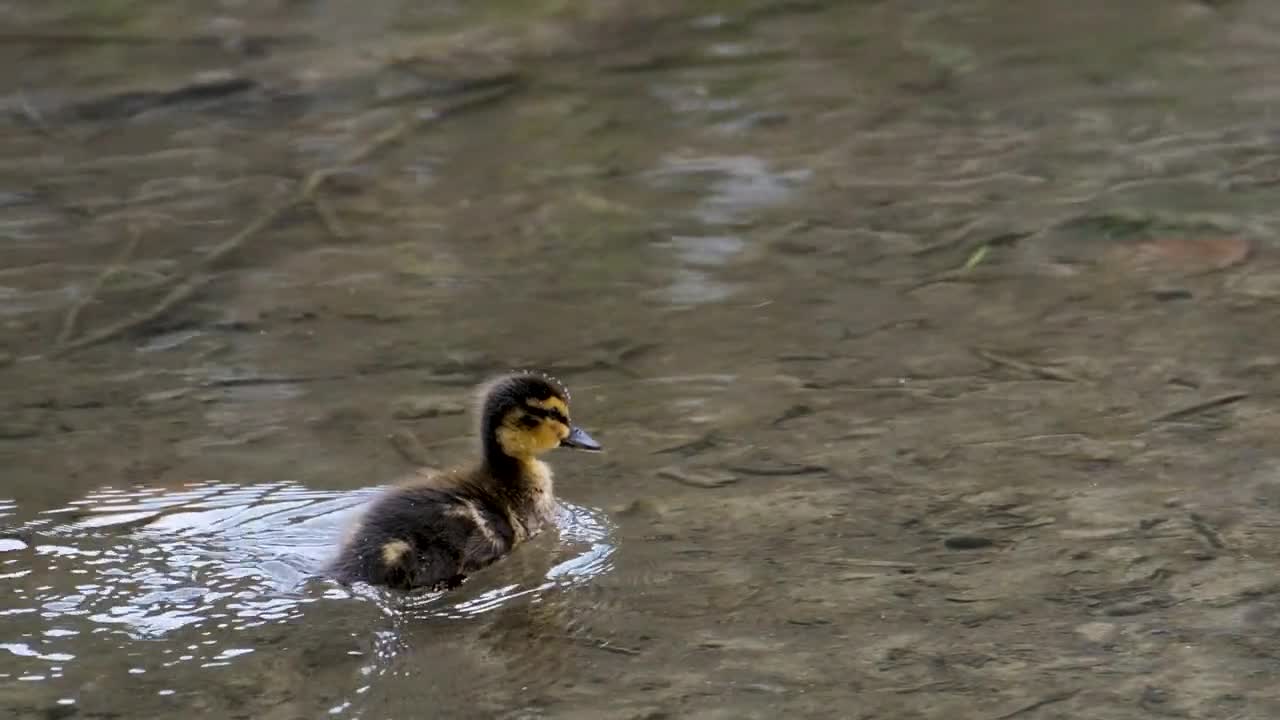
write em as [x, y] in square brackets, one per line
[435, 529]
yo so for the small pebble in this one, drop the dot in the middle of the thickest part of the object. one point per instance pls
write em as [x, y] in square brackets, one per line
[968, 542]
[767, 688]
[1125, 609]
[1172, 294]
[1098, 632]
[809, 621]
[643, 508]
[414, 408]
[161, 396]
[409, 447]
[1155, 696]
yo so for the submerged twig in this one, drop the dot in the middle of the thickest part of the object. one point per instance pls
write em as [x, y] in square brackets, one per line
[868, 562]
[1046, 700]
[88, 38]
[329, 218]
[1039, 371]
[193, 283]
[603, 645]
[1197, 408]
[976, 257]
[1206, 531]
[73, 313]
[176, 296]
[958, 275]
[933, 685]
[33, 116]
[615, 649]
[200, 275]
[950, 239]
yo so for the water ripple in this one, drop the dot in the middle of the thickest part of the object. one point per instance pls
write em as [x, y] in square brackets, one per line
[187, 572]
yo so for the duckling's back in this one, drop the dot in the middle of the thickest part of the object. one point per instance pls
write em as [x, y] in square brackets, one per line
[423, 536]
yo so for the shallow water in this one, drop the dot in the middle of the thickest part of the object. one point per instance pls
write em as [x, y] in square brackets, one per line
[168, 581]
[932, 348]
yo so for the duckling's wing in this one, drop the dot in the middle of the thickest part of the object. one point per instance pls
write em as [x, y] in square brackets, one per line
[489, 535]
[422, 537]
[400, 541]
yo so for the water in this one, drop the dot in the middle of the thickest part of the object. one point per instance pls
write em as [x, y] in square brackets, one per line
[932, 347]
[205, 576]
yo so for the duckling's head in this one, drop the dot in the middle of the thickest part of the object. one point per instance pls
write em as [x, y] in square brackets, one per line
[525, 414]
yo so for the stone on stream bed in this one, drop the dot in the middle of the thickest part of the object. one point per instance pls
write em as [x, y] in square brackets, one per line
[425, 406]
[968, 542]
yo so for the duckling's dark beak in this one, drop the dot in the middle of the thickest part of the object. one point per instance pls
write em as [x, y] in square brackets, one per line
[579, 440]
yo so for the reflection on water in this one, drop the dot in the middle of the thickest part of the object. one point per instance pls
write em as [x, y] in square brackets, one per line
[192, 572]
[734, 185]
[729, 188]
[694, 284]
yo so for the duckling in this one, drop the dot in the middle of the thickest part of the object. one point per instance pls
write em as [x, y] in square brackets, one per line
[435, 529]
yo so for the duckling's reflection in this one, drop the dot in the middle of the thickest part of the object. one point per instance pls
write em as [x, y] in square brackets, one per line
[474, 647]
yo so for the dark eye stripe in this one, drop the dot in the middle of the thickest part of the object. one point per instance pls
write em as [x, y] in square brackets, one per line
[543, 412]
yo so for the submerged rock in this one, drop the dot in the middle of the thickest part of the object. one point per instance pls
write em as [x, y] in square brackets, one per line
[426, 406]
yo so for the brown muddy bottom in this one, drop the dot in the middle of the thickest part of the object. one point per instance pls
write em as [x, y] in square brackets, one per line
[933, 349]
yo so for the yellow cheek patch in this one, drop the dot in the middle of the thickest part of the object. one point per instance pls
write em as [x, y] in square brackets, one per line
[514, 443]
[518, 441]
[549, 434]
[560, 429]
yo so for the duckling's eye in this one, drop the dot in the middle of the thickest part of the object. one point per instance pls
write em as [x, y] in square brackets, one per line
[528, 422]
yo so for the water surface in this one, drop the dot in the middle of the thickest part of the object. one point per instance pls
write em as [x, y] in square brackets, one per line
[932, 346]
